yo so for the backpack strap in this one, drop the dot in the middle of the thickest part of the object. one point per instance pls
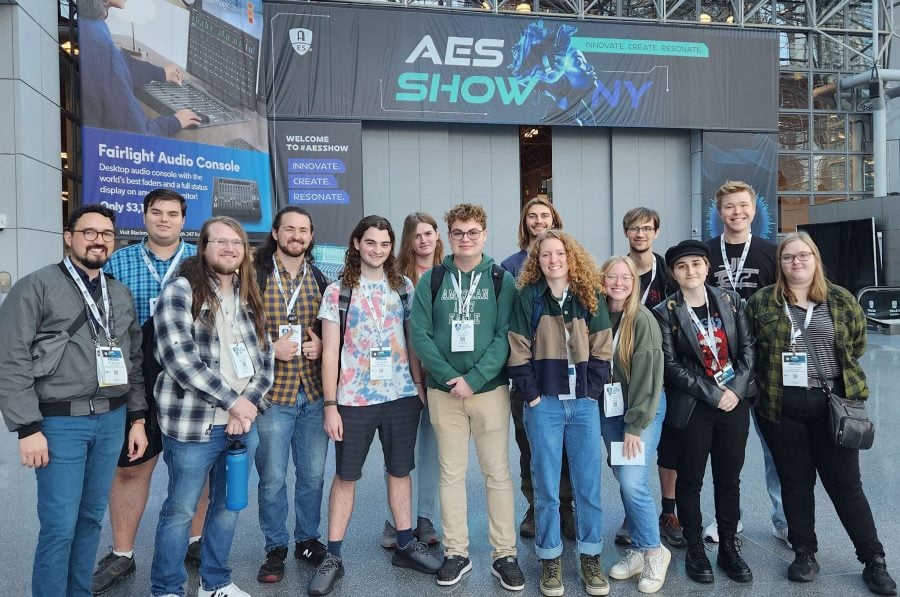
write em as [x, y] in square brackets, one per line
[437, 278]
[321, 279]
[262, 280]
[497, 273]
[537, 307]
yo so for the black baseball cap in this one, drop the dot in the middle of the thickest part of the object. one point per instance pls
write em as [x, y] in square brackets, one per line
[686, 248]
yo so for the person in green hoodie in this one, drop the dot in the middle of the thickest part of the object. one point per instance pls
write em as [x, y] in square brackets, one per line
[458, 331]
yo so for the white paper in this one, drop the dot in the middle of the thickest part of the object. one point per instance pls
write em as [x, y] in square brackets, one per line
[618, 459]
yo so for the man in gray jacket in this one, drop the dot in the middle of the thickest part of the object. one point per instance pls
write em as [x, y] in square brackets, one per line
[71, 365]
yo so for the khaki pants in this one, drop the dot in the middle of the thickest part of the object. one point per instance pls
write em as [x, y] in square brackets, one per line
[485, 417]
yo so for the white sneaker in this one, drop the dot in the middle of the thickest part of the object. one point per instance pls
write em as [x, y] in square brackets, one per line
[230, 590]
[781, 534]
[631, 564]
[654, 573]
[711, 533]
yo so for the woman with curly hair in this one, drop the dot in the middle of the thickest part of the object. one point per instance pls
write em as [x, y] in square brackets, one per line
[560, 341]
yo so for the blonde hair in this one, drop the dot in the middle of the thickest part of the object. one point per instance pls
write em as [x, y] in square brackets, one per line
[733, 186]
[584, 277]
[524, 234]
[629, 313]
[818, 289]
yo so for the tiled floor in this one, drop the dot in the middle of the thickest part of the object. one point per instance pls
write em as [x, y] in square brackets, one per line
[370, 573]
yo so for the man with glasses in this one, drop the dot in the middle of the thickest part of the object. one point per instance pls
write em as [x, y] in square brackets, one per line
[70, 362]
[459, 327]
[740, 262]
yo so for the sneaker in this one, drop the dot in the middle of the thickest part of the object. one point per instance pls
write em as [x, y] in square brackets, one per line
[551, 578]
[110, 570]
[711, 533]
[804, 567]
[416, 556]
[670, 530]
[630, 565]
[781, 534]
[567, 521]
[192, 557]
[654, 573]
[311, 551]
[877, 578]
[507, 570]
[328, 572]
[229, 590]
[272, 569]
[526, 528]
[425, 532]
[731, 561]
[389, 536]
[696, 564]
[452, 570]
[592, 575]
[623, 537]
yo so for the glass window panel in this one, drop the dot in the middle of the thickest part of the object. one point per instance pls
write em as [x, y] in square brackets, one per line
[793, 172]
[824, 94]
[761, 16]
[829, 132]
[601, 7]
[863, 44]
[826, 54]
[793, 90]
[792, 12]
[717, 11]
[820, 199]
[686, 11]
[792, 211]
[830, 172]
[836, 20]
[860, 132]
[644, 9]
[862, 173]
[860, 15]
[793, 132]
[860, 98]
[793, 51]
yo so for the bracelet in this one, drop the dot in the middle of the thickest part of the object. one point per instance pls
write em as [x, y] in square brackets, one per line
[330, 403]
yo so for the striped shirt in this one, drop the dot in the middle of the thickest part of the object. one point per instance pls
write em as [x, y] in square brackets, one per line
[820, 337]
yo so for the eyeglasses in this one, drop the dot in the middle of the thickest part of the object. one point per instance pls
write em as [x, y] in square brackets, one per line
[222, 243]
[473, 234]
[617, 278]
[91, 234]
[642, 229]
[789, 257]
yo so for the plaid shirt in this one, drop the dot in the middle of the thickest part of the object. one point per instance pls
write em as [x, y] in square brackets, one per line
[190, 388]
[128, 267]
[298, 374]
[773, 333]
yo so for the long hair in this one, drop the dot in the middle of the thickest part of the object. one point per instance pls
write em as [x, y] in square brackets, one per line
[201, 277]
[524, 235]
[629, 313]
[406, 256]
[352, 263]
[818, 290]
[262, 257]
[584, 277]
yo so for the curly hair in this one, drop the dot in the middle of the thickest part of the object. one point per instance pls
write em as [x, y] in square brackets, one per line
[629, 313]
[584, 276]
[352, 260]
[406, 260]
[464, 212]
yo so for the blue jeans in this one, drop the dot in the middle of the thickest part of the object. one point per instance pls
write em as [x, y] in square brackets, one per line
[634, 480]
[72, 493]
[298, 432]
[426, 474]
[190, 465]
[773, 483]
[551, 424]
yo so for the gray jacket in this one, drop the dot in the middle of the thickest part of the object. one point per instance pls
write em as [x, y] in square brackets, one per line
[43, 303]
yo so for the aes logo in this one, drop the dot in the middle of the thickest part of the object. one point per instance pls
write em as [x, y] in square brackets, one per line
[301, 40]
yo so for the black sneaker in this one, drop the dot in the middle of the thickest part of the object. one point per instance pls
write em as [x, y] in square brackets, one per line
[526, 528]
[110, 570]
[804, 567]
[416, 556]
[192, 557]
[329, 572]
[696, 564]
[507, 570]
[877, 578]
[452, 570]
[272, 569]
[310, 551]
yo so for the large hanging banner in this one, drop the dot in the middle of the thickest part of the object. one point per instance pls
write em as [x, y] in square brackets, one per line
[363, 63]
[169, 98]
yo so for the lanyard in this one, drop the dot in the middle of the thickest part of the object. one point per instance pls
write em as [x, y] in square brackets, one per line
[463, 303]
[708, 334]
[103, 322]
[231, 318]
[649, 284]
[795, 332]
[172, 266]
[615, 347]
[734, 277]
[288, 303]
[379, 323]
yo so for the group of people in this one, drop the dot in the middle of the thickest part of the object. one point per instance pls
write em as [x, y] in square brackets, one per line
[166, 348]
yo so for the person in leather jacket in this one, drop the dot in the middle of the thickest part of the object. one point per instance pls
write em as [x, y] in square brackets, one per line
[709, 381]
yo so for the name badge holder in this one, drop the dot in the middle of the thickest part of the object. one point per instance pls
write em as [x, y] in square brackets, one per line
[613, 397]
[462, 329]
[297, 336]
[381, 362]
[794, 371]
[289, 303]
[722, 374]
[241, 360]
[735, 277]
[111, 369]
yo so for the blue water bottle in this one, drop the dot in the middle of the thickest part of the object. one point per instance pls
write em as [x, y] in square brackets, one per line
[237, 476]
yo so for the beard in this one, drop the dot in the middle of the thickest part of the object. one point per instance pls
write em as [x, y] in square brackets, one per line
[292, 252]
[91, 262]
[222, 269]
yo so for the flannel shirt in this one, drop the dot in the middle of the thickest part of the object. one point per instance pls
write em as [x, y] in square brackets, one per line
[298, 374]
[127, 266]
[772, 329]
[190, 388]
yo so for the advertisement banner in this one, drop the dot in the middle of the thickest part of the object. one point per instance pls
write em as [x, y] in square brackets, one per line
[169, 99]
[362, 63]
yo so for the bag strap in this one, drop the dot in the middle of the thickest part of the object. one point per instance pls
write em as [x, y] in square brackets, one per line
[815, 361]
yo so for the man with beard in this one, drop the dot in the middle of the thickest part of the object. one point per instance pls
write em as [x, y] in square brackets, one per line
[293, 427]
[71, 369]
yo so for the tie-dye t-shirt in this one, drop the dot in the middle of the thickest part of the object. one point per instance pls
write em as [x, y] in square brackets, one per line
[355, 388]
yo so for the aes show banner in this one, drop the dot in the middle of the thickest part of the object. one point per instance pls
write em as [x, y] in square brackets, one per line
[368, 63]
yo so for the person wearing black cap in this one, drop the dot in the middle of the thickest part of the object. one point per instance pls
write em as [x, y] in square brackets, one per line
[708, 355]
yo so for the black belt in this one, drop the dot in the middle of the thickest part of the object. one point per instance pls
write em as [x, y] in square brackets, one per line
[815, 382]
[63, 408]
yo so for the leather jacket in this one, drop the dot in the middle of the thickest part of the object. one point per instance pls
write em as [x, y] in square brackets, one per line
[686, 380]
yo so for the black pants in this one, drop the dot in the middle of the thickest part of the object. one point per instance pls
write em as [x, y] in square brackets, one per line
[722, 436]
[565, 485]
[801, 446]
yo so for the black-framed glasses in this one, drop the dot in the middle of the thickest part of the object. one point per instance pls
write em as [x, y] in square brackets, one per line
[473, 234]
[91, 234]
[803, 256]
